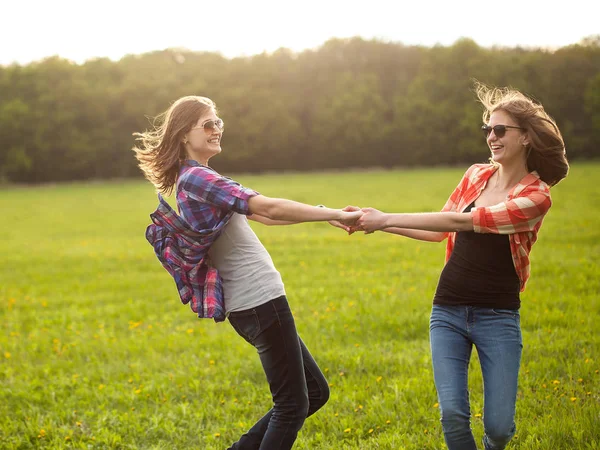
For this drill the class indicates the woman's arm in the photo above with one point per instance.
(421, 235)
(440, 221)
(280, 209)
(269, 222)
(517, 215)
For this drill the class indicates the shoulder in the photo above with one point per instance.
(532, 184)
(478, 171)
(538, 183)
(532, 193)
(196, 176)
(197, 172)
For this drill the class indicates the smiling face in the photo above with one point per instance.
(512, 147)
(203, 142)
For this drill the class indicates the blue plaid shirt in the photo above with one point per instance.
(206, 200)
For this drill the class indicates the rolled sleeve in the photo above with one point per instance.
(517, 215)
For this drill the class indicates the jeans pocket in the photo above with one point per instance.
(246, 324)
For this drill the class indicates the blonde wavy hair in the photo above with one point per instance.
(160, 150)
(546, 148)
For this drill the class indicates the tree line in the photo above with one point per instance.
(350, 103)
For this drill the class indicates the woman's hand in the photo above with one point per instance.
(350, 218)
(372, 220)
(350, 227)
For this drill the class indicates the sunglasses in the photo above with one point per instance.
(210, 125)
(499, 130)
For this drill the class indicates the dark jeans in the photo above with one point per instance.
(297, 385)
(496, 334)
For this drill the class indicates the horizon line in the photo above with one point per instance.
(586, 40)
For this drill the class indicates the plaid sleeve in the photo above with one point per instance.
(520, 214)
(207, 186)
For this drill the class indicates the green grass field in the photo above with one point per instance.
(97, 352)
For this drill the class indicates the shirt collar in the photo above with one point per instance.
(194, 163)
(531, 178)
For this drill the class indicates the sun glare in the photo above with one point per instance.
(239, 28)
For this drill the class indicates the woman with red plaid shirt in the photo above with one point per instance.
(220, 266)
(491, 220)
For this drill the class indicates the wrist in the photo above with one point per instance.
(340, 213)
(386, 221)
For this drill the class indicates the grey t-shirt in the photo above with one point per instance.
(249, 275)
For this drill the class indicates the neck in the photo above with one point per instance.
(510, 175)
(199, 159)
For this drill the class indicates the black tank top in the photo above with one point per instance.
(480, 272)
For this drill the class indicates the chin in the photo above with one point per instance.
(497, 158)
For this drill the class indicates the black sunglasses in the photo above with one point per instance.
(210, 125)
(499, 130)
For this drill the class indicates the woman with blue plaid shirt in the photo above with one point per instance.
(220, 266)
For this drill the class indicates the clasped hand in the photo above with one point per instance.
(369, 220)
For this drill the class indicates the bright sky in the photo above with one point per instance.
(79, 30)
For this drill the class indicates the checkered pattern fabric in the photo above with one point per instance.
(520, 216)
(206, 201)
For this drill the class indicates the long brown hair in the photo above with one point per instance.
(546, 148)
(161, 150)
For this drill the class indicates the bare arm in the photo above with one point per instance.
(269, 222)
(283, 210)
(421, 235)
(439, 222)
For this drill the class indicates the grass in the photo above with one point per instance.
(97, 352)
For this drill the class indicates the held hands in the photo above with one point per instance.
(368, 220)
(350, 224)
(349, 219)
(372, 220)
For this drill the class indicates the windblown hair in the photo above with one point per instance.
(160, 150)
(546, 148)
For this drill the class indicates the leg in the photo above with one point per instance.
(318, 388)
(450, 353)
(497, 337)
(271, 329)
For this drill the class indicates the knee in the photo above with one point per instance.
(454, 417)
(317, 402)
(325, 394)
(302, 408)
(293, 411)
(498, 435)
(300, 413)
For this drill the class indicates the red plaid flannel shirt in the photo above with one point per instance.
(520, 216)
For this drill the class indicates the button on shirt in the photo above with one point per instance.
(206, 201)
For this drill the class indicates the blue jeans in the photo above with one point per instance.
(297, 384)
(496, 334)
